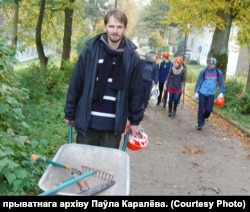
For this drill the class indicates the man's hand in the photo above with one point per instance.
(220, 95)
(67, 122)
(135, 129)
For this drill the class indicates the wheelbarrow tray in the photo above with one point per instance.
(109, 160)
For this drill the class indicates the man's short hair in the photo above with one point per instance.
(118, 14)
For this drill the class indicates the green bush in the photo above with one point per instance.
(244, 104)
(233, 91)
(29, 112)
(41, 82)
(16, 173)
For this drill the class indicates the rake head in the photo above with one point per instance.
(99, 175)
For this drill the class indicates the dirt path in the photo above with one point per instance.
(180, 160)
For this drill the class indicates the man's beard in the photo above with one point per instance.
(114, 41)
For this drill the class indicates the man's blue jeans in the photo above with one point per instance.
(206, 104)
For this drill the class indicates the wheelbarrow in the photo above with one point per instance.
(98, 166)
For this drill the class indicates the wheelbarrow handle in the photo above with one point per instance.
(67, 183)
(40, 159)
(124, 146)
(70, 133)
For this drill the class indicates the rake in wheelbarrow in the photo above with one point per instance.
(98, 180)
(78, 175)
(104, 171)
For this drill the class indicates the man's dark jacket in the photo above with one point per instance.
(129, 101)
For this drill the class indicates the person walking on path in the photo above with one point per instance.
(164, 68)
(105, 90)
(149, 75)
(205, 89)
(175, 85)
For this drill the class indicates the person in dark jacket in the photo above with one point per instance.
(164, 68)
(149, 75)
(205, 89)
(175, 85)
(105, 90)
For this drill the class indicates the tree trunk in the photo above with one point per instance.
(68, 20)
(15, 24)
(248, 81)
(219, 46)
(43, 59)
